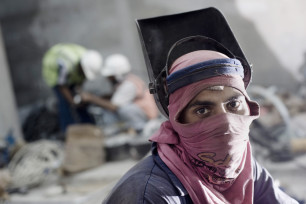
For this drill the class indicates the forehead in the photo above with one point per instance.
(217, 95)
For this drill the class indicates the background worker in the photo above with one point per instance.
(65, 68)
(130, 98)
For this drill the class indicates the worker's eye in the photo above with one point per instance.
(202, 111)
(234, 105)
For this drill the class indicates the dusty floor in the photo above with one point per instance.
(89, 187)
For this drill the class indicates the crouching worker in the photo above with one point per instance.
(202, 154)
(130, 99)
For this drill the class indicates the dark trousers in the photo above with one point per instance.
(70, 115)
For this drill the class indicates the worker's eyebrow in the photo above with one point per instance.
(200, 103)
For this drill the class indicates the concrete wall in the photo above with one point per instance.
(9, 122)
(268, 37)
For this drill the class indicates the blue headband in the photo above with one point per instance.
(203, 70)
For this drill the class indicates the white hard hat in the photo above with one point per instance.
(91, 63)
(116, 65)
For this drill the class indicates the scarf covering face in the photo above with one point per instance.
(211, 157)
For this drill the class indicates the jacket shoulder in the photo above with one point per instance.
(146, 182)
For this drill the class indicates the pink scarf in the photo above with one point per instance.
(212, 157)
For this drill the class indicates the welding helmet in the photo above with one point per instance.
(166, 38)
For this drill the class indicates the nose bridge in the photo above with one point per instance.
(220, 108)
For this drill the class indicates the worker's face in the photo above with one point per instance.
(212, 102)
(112, 79)
(80, 70)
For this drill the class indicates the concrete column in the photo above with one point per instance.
(8, 112)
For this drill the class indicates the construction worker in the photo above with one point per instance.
(202, 153)
(130, 98)
(65, 68)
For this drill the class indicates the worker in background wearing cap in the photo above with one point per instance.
(202, 154)
(130, 98)
(65, 68)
